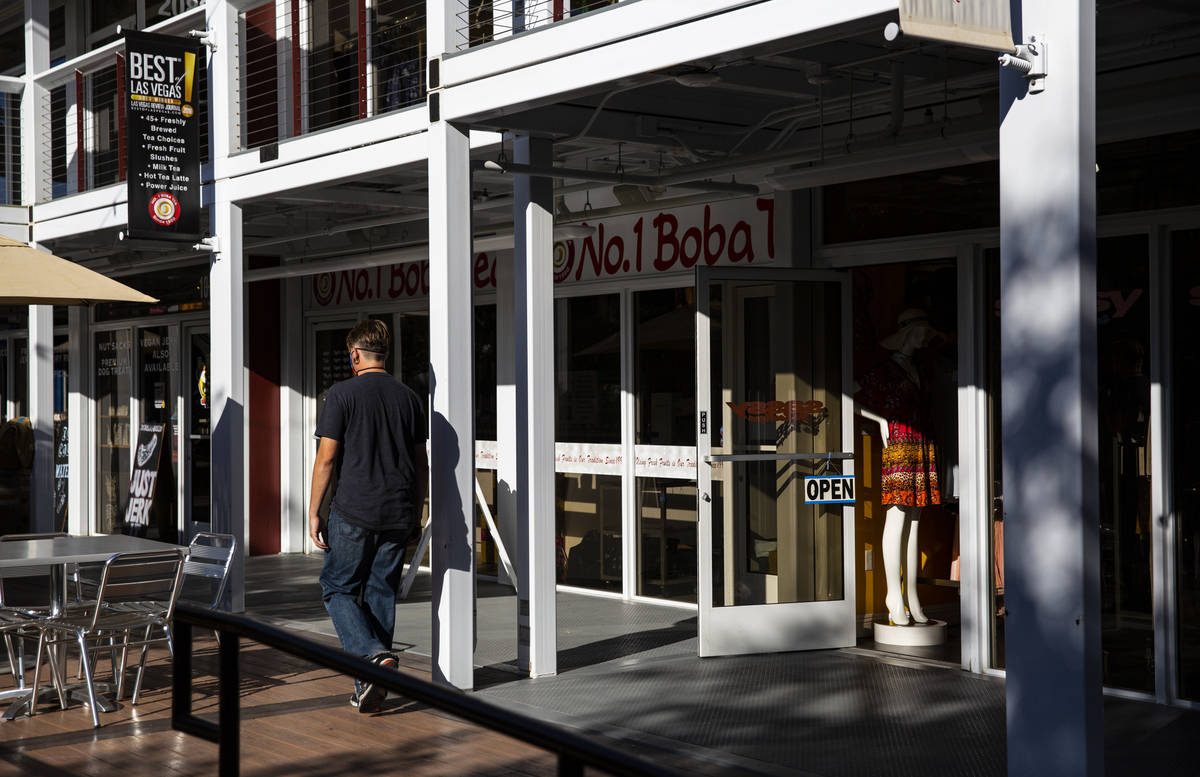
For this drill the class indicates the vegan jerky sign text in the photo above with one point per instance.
(163, 136)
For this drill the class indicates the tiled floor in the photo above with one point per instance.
(630, 672)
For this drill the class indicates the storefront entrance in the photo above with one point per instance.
(776, 572)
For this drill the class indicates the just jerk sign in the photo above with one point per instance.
(731, 233)
(163, 136)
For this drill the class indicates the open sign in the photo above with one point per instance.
(829, 489)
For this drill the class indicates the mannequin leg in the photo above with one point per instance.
(893, 530)
(912, 566)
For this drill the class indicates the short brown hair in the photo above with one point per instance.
(372, 336)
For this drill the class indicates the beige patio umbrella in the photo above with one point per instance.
(32, 277)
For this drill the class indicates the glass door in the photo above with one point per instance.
(776, 573)
(158, 403)
(328, 363)
(197, 435)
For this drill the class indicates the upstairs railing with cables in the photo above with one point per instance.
(482, 21)
(306, 67)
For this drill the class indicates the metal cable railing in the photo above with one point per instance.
(10, 149)
(575, 751)
(481, 21)
(82, 128)
(307, 67)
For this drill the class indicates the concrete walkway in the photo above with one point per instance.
(630, 672)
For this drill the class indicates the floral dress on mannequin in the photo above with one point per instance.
(909, 471)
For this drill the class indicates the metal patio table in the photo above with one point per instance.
(56, 554)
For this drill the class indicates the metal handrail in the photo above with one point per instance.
(575, 751)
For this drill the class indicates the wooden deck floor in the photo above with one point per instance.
(296, 720)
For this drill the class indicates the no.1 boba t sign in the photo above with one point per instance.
(163, 136)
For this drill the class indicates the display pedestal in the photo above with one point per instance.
(912, 635)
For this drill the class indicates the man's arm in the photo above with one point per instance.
(322, 470)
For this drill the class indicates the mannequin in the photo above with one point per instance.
(909, 477)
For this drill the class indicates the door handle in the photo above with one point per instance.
(707, 498)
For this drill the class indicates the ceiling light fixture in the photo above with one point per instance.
(698, 80)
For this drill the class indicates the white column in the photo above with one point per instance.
(228, 385)
(1049, 394)
(294, 526)
(41, 413)
(452, 444)
(506, 414)
(975, 524)
(533, 330)
(34, 146)
(226, 309)
(79, 424)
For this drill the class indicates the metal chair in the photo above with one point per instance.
(126, 577)
(208, 559)
(15, 621)
(209, 556)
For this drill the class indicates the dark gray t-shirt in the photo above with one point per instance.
(379, 424)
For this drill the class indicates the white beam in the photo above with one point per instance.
(1049, 397)
(584, 63)
(452, 384)
(41, 413)
(533, 335)
(598, 29)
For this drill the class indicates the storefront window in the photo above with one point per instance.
(667, 538)
(16, 455)
(906, 372)
(1185, 380)
(62, 351)
(589, 530)
(112, 363)
(157, 391)
(587, 369)
(995, 456)
(20, 395)
(332, 365)
(487, 560)
(1123, 383)
(3, 380)
(414, 352)
(1123, 369)
(199, 439)
(664, 366)
(485, 372)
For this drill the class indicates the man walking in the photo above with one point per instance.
(374, 427)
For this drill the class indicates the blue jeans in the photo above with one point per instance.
(362, 565)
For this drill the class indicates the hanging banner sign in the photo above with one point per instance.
(61, 474)
(145, 473)
(727, 233)
(838, 489)
(162, 136)
(983, 24)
